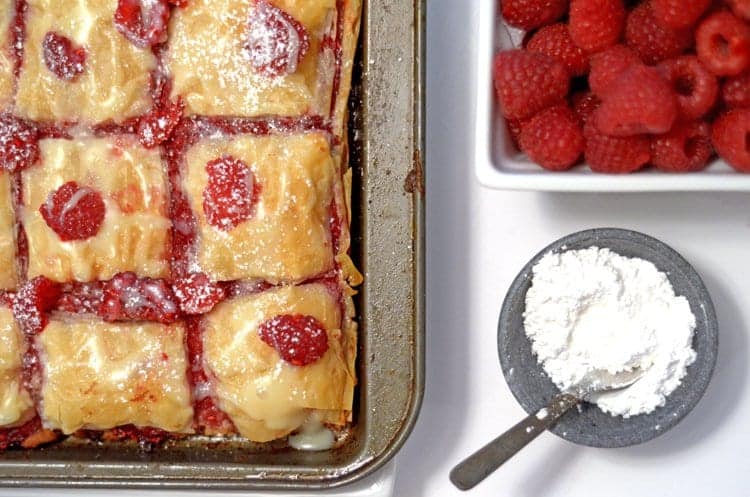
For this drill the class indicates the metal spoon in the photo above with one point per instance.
(483, 462)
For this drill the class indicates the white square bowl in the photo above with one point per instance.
(500, 165)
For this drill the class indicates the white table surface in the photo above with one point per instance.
(479, 239)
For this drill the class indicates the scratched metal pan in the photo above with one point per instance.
(388, 244)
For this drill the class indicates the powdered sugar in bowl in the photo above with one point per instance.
(662, 319)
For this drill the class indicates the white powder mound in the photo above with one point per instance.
(593, 309)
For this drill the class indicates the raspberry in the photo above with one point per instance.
(299, 340)
(179, 3)
(640, 101)
(651, 41)
(596, 24)
(197, 294)
(584, 104)
(615, 154)
(34, 299)
(695, 87)
(606, 66)
(731, 137)
(127, 297)
(157, 126)
(142, 22)
(741, 8)
(62, 58)
(19, 143)
(556, 42)
(678, 14)
(553, 138)
(685, 148)
(229, 197)
(531, 14)
(723, 44)
(527, 82)
(736, 91)
(514, 129)
(276, 42)
(74, 212)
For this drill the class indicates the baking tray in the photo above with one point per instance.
(387, 144)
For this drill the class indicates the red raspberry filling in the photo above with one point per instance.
(197, 294)
(276, 42)
(300, 340)
(74, 212)
(19, 143)
(229, 197)
(142, 22)
(127, 297)
(34, 299)
(157, 126)
(61, 57)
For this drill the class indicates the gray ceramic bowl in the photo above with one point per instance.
(589, 425)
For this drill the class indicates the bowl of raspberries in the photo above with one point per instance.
(614, 95)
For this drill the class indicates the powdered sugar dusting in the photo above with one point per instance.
(591, 310)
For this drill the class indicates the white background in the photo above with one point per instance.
(479, 239)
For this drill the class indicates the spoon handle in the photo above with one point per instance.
(483, 462)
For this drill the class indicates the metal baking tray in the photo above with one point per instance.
(387, 144)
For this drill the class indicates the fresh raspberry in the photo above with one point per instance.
(276, 42)
(197, 294)
(640, 101)
(735, 92)
(607, 65)
(556, 42)
(553, 138)
(63, 59)
(584, 104)
(299, 340)
(527, 82)
(596, 24)
(731, 137)
(19, 143)
(157, 126)
(685, 148)
(34, 299)
(695, 87)
(179, 3)
(229, 197)
(652, 41)
(741, 8)
(127, 297)
(74, 212)
(142, 22)
(531, 14)
(678, 14)
(723, 44)
(514, 129)
(615, 154)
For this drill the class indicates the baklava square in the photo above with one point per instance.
(77, 66)
(253, 57)
(99, 375)
(95, 207)
(266, 396)
(263, 206)
(8, 275)
(6, 56)
(16, 406)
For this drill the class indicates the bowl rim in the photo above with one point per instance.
(700, 379)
